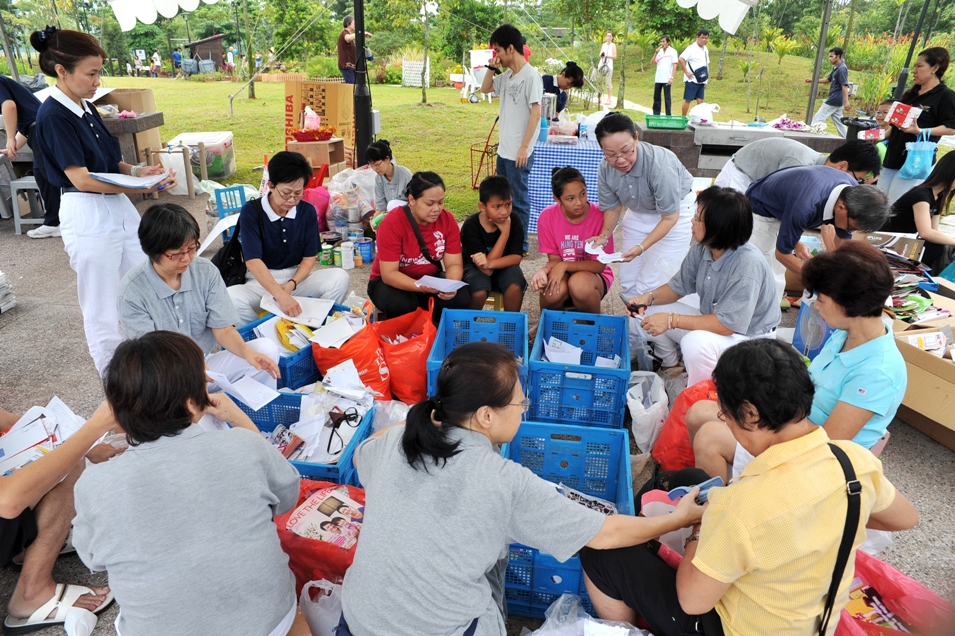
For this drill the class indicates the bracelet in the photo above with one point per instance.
(294, 284)
(640, 245)
(652, 299)
(134, 171)
(694, 536)
(669, 322)
(677, 325)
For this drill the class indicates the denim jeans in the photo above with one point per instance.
(518, 178)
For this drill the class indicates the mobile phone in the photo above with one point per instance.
(701, 498)
(631, 307)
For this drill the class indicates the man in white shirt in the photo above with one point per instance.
(666, 60)
(520, 89)
(695, 62)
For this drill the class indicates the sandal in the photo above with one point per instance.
(63, 599)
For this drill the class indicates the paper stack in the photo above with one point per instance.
(560, 352)
(39, 431)
(7, 300)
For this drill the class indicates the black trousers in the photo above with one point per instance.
(398, 302)
(656, 98)
(49, 193)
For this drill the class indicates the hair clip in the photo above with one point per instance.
(47, 32)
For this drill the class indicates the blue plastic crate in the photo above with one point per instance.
(285, 410)
(461, 326)
(296, 369)
(581, 394)
(595, 461)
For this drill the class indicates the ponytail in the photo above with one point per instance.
(427, 428)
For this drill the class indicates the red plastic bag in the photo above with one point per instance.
(411, 384)
(319, 198)
(363, 350)
(311, 559)
(921, 608)
(673, 450)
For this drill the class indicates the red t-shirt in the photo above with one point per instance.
(397, 243)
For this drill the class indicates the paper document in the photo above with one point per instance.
(253, 394)
(314, 310)
(18, 461)
(210, 422)
(560, 352)
(24, 436)
(129, 181)
(225, 224)
(343, 379)
(602, 255)
(607, 363)
(269, 331)
(334, 334)
(441, 284)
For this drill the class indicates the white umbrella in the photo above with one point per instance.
(730, 12)
(146, 11)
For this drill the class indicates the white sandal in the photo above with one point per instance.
(63, 599)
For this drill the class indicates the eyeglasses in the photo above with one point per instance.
(525, 404)
(181, 256)
(883, 113)
(289, 195)
(337, 417)
(612, 156)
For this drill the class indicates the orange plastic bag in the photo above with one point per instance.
(673, 450)
(363, 350)
(411, 384)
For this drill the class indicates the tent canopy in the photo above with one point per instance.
(730, 12)
(146, 11)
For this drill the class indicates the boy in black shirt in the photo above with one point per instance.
(492, 242)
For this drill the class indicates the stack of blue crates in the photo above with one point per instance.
(582, 394)
(595, 461)
(461, 326)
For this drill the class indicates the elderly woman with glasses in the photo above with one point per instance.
(734, 283)
(280, 242)
(650, 185)
(175, 290)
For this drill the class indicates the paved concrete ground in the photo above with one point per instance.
(43, 353)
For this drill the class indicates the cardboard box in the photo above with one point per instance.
(334, 103)
(138, 100)
(331, 152)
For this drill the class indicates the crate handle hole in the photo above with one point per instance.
(483, 339)
(573, 375)
(578, 321)
(582, 342)
(488, 319)
(564, 464)
(556, 579)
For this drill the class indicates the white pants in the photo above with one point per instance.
(765, 232)
(701, 349)
(662, 260)
(234, 367)
(893, 186)
(835, 112)
(331, 283)
(732, 177)
(100, 236)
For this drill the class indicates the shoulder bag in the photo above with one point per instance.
(854, 493)
(421, 245)
(229, 259)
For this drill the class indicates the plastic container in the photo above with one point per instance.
(367, 249)
(207, 66)
(325, 257)
(285, 410)
(461, 326)
(670, 122)
(581, 394)
(595, 461)
(544, 130)
(220, 151)
(348, 255)
(190, 67)
(337, 256)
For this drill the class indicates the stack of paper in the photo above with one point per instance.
(40, 430)
(335, 333)
(7, 300)
(250, 392)
(128, 181)
(560, 352)
(314, 310)
(441, 284)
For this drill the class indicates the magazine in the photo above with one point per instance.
(587, 501)
(328, 515)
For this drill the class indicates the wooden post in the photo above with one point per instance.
(188, 169)
(203, 168)
(150, 162)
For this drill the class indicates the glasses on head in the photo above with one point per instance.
(183, 255)
(290, 195)
(613, 156)
(336, 418)
(525, 404)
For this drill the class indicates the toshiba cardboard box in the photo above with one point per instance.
(334, 103)
(929, 403)
(138, 100)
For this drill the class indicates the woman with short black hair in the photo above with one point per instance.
(734, 283)
(182, 521)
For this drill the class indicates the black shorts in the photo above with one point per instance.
(16, 535)
(499, 280)
(603, 281)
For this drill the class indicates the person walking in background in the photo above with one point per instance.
(608, 53)
(521, 89)
(838, 99)
(177, 61)
(230, 60)
(666, 59)
(156, 65)
(695, 62)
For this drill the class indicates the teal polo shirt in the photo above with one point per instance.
(872, 377)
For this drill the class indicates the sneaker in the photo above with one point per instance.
(44, 231)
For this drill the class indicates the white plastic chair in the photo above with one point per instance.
(25, 184)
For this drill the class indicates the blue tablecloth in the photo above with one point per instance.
(585, 156)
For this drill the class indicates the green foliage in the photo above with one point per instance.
(873, 88)
(323, 66)
(385, 43)
(769, 35)
(463, 21)
(644, 44)
(149, 37)
(667, 18)
(585, 13)
(288, 17)
(783, 46)
(115, 43)
(746, 67)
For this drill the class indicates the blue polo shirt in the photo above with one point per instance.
(550, 86)
(283, 241)
(871, 376)
(68, 135)
(800, 197)
(20, 95)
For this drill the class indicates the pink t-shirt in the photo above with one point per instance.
(557, 235)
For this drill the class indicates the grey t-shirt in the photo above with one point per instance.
(739, 287)
(202, 303)
(656, 183)
(517, 94)
(386, 191)
(183, 526)
(760, 158)
(429, 537)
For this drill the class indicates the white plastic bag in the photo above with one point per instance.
(388, 413)
(675, 386)
(649, 407)
(703, 113)
(173, 161)
(312, 120)
(876, 541)
(353, 187)
(324, 613)
(565, 617)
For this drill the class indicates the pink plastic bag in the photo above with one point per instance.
(319, 198)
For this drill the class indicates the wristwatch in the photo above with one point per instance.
(695, 536)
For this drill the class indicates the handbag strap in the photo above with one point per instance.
(853, 492)
(417, 233)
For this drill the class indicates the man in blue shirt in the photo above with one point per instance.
(280, 244)
(838, 99)
(177, 61)
(791, 200)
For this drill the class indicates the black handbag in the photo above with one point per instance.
(701, 74)
(230, 261)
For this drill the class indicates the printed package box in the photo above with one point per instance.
(138, 100)
(334, 103)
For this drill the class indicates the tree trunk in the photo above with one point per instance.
(845, 40)
(622, 90)
(719, 69)
(424, 67)
(249, 57)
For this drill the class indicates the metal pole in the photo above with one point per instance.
(186, 18)
(8, 51)
(238, 40)
(904, 75)
(362, 99)
(823, 32)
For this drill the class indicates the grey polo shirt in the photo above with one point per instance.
(739, 288)
(386, 191)
(202, 303)
(656, 183)
(761, 158)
